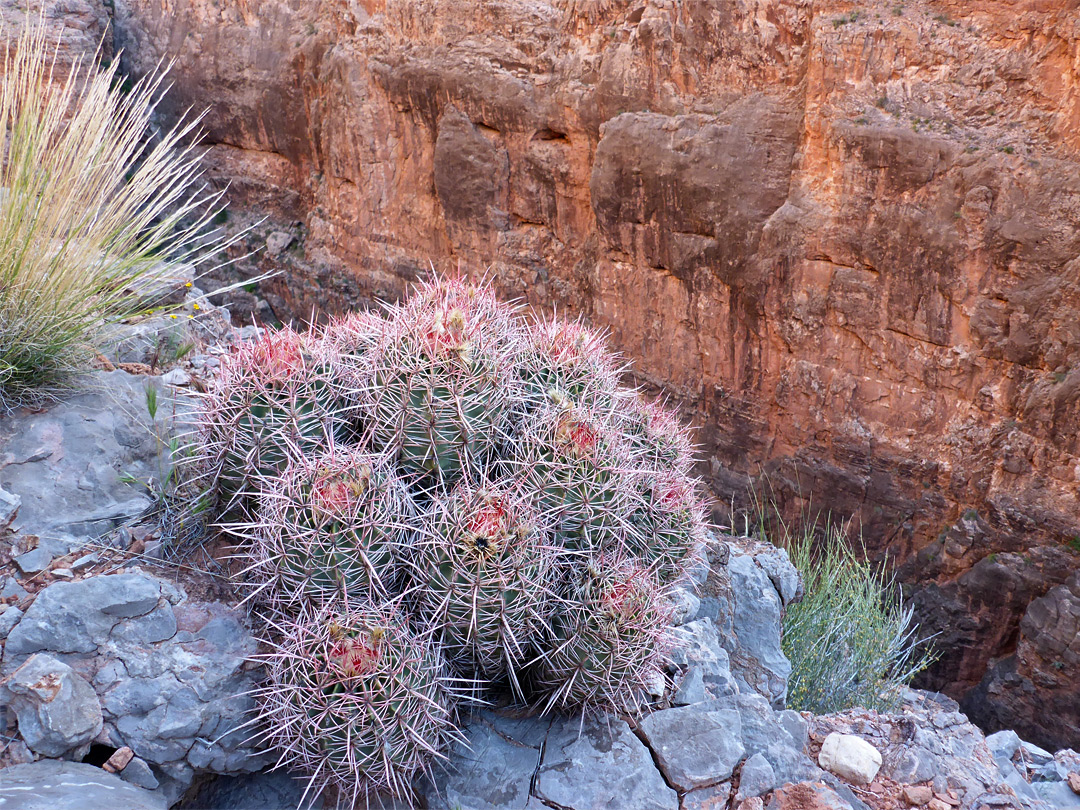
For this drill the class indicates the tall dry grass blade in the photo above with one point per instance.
(90, 211)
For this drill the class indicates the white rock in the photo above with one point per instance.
(850, 757)
(277, 242)
(176, 377)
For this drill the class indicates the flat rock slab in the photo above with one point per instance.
(68, 465)
(600, 765)
(696, 745)
(50, 784)
(494, 769)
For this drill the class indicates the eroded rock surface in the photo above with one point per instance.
(171, 673)
(845, 238)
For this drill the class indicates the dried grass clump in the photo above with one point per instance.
(91, 215)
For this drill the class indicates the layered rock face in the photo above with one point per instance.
(845, 236)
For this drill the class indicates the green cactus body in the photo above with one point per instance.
(607, 639)
(668, 525)
(485, 572)
(277, 398)
(441, 387)
(333, 525)
(358, 698)
(577, 471)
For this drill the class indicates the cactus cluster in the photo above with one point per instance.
(440, 499)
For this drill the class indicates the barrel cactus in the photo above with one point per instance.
(578, 469)
(359, 698)
(277, 398)
(607, 640)
(446, 487)
(440, 382)
(332, 524)
(485, 576)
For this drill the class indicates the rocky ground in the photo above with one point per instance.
(124, 671)
(843, 233)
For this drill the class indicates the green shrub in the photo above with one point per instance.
(88, 211)
(852, 641)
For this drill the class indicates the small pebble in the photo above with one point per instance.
(917, 795)
(119, 760)
(84, 562)
(62, 573)
(176, 377)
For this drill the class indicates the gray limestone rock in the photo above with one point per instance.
(691, 689)
(69, 464)
(9, 587)
(9, 507)
(171, 675)
(756, 778)
(50, 784)
(493, 769)
(757, 662)
(33, 561)
(57, 710)
(685, 605)
(696, 746)
(795, 725)
(9, 619)
(78, 617)
(276, 790)
(137, 772)
(599, 763)
(762, 732)
(714, 797)
(698, 644)
(1003, 744)
(1057, 795)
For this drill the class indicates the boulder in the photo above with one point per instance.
(57, 710)
(698, 745)
(598, 762)
(50, 784)
(171, 674)
(850, 757)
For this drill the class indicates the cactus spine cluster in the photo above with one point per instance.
(485, 576)
(445, 490)
(332, 525)
(607, 639)
(277, 398)
(356, 691)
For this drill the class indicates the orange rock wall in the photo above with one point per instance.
(844, 235)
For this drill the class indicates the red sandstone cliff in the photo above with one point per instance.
(845, 235)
